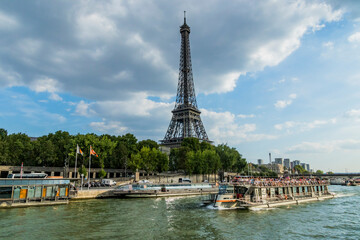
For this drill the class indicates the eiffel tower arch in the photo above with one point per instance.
(185, 121)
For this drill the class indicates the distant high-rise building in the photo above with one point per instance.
(292, 165)
(296, 162)
(278, 168)
(308, 167)
(260, 162)
(279, 161)
(287, 162)
(303, 165)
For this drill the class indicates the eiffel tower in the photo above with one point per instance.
(186, 121)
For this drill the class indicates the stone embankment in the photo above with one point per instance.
(92, 193)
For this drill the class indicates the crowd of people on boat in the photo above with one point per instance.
(286, 181)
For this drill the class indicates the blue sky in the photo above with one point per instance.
(270, 76)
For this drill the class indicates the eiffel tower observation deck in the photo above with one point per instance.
(186, 121)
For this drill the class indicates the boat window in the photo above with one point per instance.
(38, 191)
(5, 192)
(31, 192)
(222, 189)
(241, 190)
(229, 191)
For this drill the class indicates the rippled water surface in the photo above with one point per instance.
(185, 218)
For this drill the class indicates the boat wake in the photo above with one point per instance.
(340, 195)
(217, 208)
(255, 209)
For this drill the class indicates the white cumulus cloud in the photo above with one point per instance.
(284, 103)
(354, 38)
(111, 127)
(222, 127)
(303, 126)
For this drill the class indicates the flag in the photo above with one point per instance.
(78, 151)
(92, 152)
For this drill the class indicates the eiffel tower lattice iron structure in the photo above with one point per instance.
(186, 121)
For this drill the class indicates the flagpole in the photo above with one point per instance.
(21, 170)
(77, 148)
(89, 169)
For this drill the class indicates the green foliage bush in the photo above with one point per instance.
(102, 173)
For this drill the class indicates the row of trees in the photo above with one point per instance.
(54, 149)
(203, 158)
(300, 170)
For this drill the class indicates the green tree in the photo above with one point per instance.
(135, 162)
(148, 159)
(120, 156)
(64, 147)
(162, 161)
(173, 159)
(206, 146)
(319, 172)
(181, 158)
(147, 143)
(240, 163)
(82, 170)
(191, 143)
(201, 166)
(300, 169)
(104, 148)
(102, 173)
(19, 149)
(4, 152)
(228, 157)
(190, 161)
(44, 152)
(130, 142)
(212, 161)
(3, 134)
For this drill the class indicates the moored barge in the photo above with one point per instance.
(267, 193)
(33, 192)
(164, 190)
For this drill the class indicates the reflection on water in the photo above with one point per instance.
(185, 218)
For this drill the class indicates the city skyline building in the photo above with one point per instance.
(287, 163)
(279, 161)
(303, 165)
(295, 163)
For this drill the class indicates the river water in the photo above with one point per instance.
(185, 218)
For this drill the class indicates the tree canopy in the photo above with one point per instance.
(117, 152)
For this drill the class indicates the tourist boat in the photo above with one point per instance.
(267, 193)
(354, 182)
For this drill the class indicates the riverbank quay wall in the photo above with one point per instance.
(91, 193)
(174, 178)
(117, 174)
(67, 172)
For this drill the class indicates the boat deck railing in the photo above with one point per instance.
(281, 183)
(280, 198)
